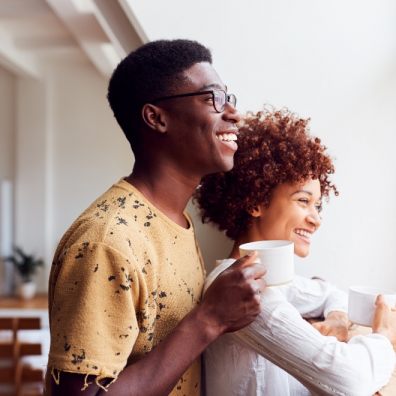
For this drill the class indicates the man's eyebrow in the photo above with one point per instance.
(213, 86)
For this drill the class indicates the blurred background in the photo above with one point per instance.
(60, 146)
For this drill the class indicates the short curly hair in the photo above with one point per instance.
(274, 148)
(153, 70)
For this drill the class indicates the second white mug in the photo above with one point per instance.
(361, 303)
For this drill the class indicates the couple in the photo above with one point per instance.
(127, 315)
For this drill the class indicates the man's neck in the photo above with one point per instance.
(166, 189)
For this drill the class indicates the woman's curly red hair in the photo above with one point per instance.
(274, 148)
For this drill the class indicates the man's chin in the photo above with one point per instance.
(228, 164)
(223, 165)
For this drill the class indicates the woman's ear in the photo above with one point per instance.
(257, 211)
(154, 117)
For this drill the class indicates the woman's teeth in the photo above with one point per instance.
(303, 233)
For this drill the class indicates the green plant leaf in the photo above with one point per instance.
(25, 264)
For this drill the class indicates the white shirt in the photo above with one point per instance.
(239, 364)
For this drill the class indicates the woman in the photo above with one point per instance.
(275, 191)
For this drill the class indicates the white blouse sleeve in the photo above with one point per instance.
(314, 297)
(323, 364)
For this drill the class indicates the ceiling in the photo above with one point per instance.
(271, 51)
(103, 31)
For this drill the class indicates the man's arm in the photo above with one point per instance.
(232, 302)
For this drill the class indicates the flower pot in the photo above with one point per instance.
(27, 290)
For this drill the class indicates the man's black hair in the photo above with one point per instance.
(153, 70)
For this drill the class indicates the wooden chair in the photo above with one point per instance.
(17, 371)
(8, 355)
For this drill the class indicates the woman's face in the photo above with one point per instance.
(293, 214)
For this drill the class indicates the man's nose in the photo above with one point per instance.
(231, 113)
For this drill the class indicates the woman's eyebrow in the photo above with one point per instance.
(302, 191)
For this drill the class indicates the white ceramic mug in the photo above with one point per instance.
(361, 303)
(276, 256)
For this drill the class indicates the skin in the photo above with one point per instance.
(384, 321)
(179, 146)
(294, 207)
(181, 134)
(297, 206)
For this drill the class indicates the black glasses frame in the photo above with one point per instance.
(229, 98)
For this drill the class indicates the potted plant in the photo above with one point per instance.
(26, 266)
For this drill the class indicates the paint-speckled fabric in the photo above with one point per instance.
(122, 277)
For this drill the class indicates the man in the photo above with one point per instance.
(126, 280)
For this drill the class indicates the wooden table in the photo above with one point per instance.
(36, 339)
(16, 307)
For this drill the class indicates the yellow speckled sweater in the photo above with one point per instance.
(123, 276)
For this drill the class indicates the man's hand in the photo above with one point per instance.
(384, 321)
(336, 324)
(233, 299)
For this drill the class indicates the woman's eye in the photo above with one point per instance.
(319, 207)
(303, 200)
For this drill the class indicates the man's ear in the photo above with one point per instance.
(154, 117)
(257, 211)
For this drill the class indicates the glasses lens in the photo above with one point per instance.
(231, 99)
(219, 98)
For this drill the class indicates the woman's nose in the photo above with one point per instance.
(314, 218)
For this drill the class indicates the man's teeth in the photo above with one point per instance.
(303, 233)
(227, 137)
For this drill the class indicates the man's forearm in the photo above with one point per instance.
(229, 304)
(158, 372)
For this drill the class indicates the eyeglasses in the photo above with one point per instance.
(219, 98)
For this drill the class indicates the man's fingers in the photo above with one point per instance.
(246, 261)
(255, 271)
(261, 284)
(251, 268)
(256, 287)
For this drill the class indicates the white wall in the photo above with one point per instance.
(31, 167)
(89, 151)
(69, 150)
(7, 158)
(7, 121)
(336, 63)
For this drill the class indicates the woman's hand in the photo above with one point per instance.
(336, 324)
(384, 321)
